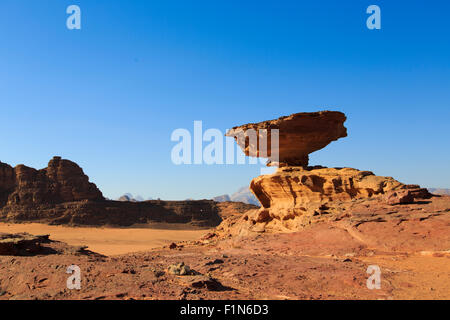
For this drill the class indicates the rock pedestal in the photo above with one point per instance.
(295, 191)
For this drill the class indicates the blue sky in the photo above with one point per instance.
(108, 96)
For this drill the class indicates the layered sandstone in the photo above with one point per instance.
(296, 193)
(297, 187)
(298, 135)
(62, 194)
(21, 244)
(62, 181)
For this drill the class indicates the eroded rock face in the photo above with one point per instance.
(7, 182)
(292, 195)
(62, 181)
(295, 194)
(20, 244)
(62, 194)
(297, 187)
(299, 135)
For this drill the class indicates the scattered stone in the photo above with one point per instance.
(173, 245)
(180, 269)
(121, 295)
(207, 236)
(129, 271)
(216, 261)
(350, 254)
(201, 282)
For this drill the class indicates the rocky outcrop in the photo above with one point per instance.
(62, 194)
(62, 181)
(230, 208)
(399, 197)
(297, 187)
(295, 193)
(292, 195)
(201, 213)
(298, 135)
(21, 244)
(25, 244)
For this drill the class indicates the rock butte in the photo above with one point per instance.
(295, 193)
(62, 181)
(299, 135)
(62, 194)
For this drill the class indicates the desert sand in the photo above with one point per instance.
(108, 241)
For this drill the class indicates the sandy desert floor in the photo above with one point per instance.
(327, 260)
(109, 241)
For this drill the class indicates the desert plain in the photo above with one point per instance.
(110, 241)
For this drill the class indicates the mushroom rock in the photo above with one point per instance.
(295, 193)
(298, 135)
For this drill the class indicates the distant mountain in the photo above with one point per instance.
(128, 197)
(440, 191)
(245, 195)
(139, 198)
(242, 195)
(223, 198)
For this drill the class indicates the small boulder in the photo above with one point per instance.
(202, 282)
(180, 269)
(173, 245)
(216, 261)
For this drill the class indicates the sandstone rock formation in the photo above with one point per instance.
(297, 187)
(296, 192)
(399, 197)
(62, 194)
(299, 135)
(21, 244)
(25, 244)
(62, 181)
